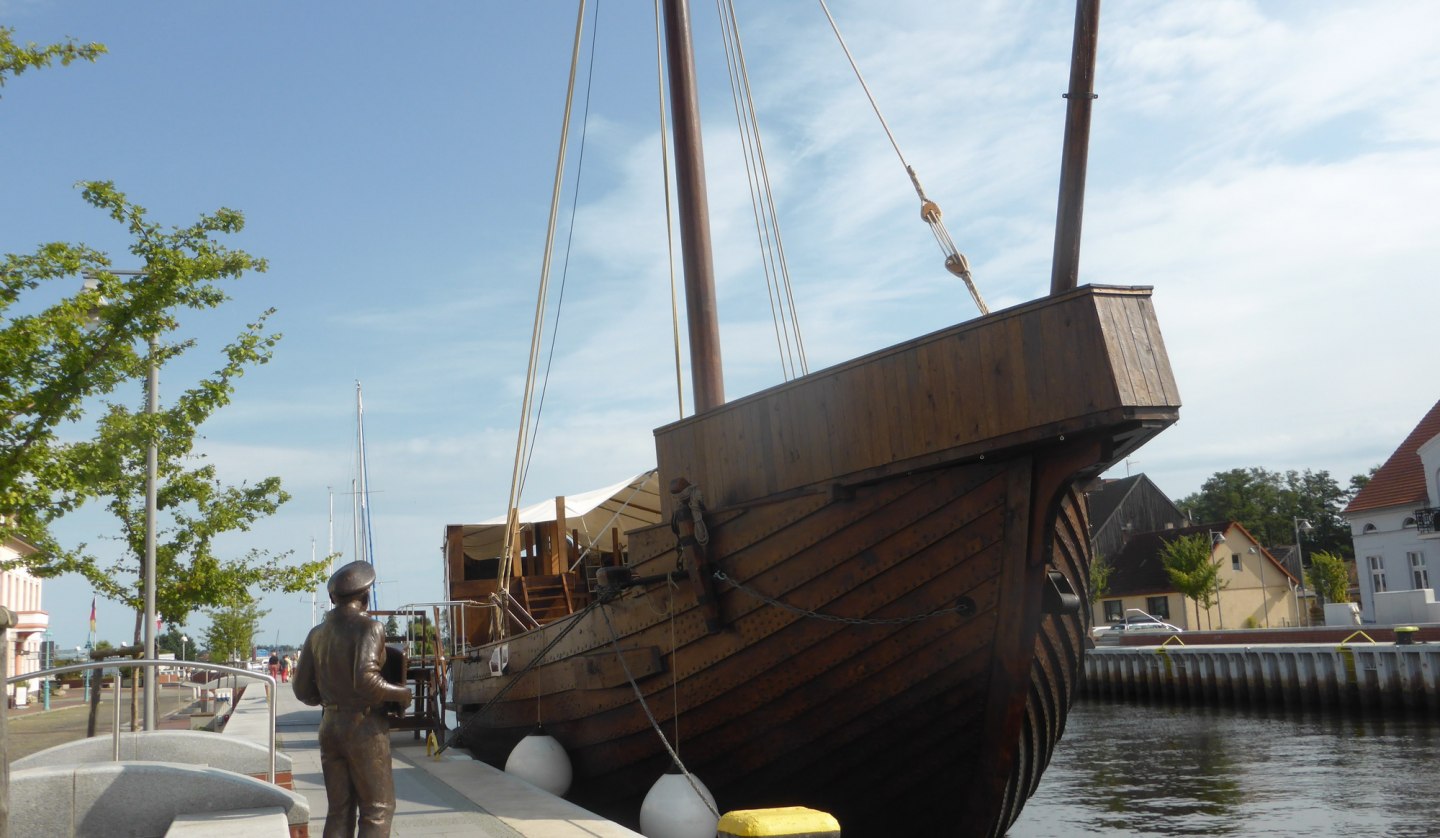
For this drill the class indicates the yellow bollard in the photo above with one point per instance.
(787, 822)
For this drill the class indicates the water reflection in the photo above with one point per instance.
(1143, 770)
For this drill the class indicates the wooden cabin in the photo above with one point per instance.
(557, 547)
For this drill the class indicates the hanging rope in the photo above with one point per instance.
(654, 725)
(669, 223)
(788, 339)
(955, 261)
(536, 661)
(537, 331)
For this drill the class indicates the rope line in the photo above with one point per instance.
(655, 725)
(569, 242)
(955, 261)
(519, 676)
(778, 285)
(538, 329)
(669, 222)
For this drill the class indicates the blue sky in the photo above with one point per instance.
(1269, 167)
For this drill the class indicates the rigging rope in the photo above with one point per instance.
(537, 330)
(654, 725)
(955, 261)
(778, 286)
(669, 224)
(519, 676)
(569, 241)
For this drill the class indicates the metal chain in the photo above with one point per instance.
(964, 608)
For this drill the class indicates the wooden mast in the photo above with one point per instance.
(705, 371)
(1065, 267)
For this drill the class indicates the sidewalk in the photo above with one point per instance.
(452, 795)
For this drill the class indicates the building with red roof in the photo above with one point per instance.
(1395, 523)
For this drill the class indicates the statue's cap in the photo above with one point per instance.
(350, 580)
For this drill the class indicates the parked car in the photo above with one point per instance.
(1135, 621)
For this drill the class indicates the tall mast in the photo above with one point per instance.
(1065, 268)
(705, 369)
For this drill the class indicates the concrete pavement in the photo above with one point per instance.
(453, 795)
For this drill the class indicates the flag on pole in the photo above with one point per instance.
(92, 615)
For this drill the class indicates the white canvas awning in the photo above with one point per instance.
(626, 505)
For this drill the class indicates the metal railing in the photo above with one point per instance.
(268, 680)
(1427, 520)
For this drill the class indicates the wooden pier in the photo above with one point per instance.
(1352, 676)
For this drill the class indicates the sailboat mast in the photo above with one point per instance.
(1065, 268)
(705, 369)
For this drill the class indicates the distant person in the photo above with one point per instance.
(285, 664)
(339, 668)
(274, 665)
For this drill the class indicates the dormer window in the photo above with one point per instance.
(1371, 527)
(1409, 522)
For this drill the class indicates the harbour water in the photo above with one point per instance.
(1132, 770)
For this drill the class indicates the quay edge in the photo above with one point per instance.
(1358, 676)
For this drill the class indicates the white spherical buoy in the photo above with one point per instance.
(541, 761)
(673, 809)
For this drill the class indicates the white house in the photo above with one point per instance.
(1395, 522)
(20, 592)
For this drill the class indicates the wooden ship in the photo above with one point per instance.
(858, 591)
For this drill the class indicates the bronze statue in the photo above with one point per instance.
(339, 667)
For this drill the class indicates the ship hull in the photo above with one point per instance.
(889, 636)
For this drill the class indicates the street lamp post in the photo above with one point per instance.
(183, 641)
(152, 406)
(45, 664)
(1307, 527)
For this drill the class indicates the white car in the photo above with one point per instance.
(1135, 621)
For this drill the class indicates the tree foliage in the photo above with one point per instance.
(15, 59)
(1193, 570)
(1268, 503)
(54, 359)
(1329, 576)
(181, 268)
(232, 631)
(1101, 569)
(170, 641)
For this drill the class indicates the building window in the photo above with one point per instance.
(1235, 561)
(1368, 528)
(1418, 575)
(1114, 611)
(1158, 606)
(1377, 573)
(1408, 522)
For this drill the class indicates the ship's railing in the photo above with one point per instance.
(455, 621)
(149, 664)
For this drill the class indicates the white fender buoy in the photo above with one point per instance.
(673, 809)
(539, 759)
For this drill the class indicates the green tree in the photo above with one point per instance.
(1268, 503)
(16, 59)
(232, 631)
(424, 634)
(57, 354)
(181, 269)
(1329, 576)
(1100, 572)
(1360, 481)
(1193, 570)
(169, 641)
